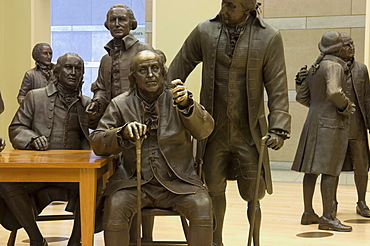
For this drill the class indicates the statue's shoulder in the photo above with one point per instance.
(360, 65)
(124, 98)
(145, 46)
(209, 23)
(38, 92)
(106, 58)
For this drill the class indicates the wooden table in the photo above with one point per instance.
(81, 166)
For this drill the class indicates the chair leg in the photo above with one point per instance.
(12, 237)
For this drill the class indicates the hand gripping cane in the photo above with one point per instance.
(138, 179)
(258, 178)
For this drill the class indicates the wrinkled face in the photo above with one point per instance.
(232, 12)
(119, 22)
(348, 49)
(149, 74)
(71, 72)
(45, 56)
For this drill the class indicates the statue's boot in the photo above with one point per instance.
(116, 238)
(257, 221)
(333, 225)
(327, 221)
(219, 208)
(362, 209)
(146, 226)
(361, 186)
(75, 239)
(44, 243)
(19, 205)
(309, 218)
(200, 233)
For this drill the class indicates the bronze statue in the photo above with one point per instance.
(242, 55)
(114, 67)
(324, 139)
(166, 119)
(40, 75)
(114, 70)
(2, 140)
(50, 118)
(357, 89)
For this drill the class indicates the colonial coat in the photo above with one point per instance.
(361, 86)
(103, 88)
(263, 54)
(35, 117)
(324, 139)
(174, 137)
(33, 79)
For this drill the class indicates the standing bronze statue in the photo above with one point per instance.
(242, 55)
(324, 140)
(113, 72)
(114, 67)
(40, 75)
(357, 89)
(166, 119)
(50, 118)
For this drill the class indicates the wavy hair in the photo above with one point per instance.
(130, 15)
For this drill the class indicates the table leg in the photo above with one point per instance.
(88, 177)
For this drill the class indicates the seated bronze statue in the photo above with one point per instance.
(52, 117)
(165, 119)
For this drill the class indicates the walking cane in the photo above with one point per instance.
(258, 178)
(138, 179)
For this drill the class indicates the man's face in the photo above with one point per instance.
(119, 23)
(348, 49)
(148, 74)
(71, 72)
(232, 12)
(45, 56)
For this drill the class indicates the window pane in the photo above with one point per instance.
(78, 26)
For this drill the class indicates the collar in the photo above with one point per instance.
(43, 67)
(337, 59)
(253, 14)
(128, 41)
(147, 100)
(51, 89)
(350, 62)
